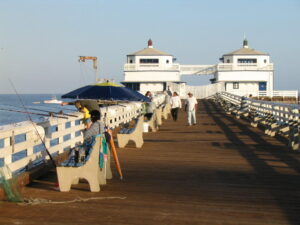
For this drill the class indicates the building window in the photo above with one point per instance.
(149, 61)
(265, 61)
(167, 61)
(130, 61)
(262, 86)
(133, 86)
(228, 60)
(247, 60)
(235, 85)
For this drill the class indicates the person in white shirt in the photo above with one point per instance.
(175, 105)
(190, 108)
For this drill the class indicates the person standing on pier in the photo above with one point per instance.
(150, 106)
(190, 108)
(175, 105)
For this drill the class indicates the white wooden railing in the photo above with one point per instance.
(281, 111)
(21, 144)
(197, 69)
(271, 94)
(244, 67)
(276, 118)
(141, 67)
(200, 69)
(205, 91)
(212, 69)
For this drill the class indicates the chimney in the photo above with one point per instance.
(150, 43)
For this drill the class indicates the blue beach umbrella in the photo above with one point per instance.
(107, 91)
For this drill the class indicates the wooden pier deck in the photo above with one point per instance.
(221, 171)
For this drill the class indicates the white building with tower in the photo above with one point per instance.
(243, 72)
(246, 71)
(150, 70)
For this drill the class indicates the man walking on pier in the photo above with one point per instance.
(190, 108)
(175, 105)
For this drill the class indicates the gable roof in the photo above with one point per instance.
(246, 51)
(149, 52)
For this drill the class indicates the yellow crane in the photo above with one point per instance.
(94, 58)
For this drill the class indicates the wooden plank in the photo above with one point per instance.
(220, 171)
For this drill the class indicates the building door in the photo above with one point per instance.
(262, 86)
(165, 86)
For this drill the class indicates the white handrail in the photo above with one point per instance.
(280, 118)
(244, 66)
(281, 111)
(275, 93)
(141, 67)
(58, 135)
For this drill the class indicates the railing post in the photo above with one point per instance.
(7, 157)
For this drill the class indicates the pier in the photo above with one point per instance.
(220, 171)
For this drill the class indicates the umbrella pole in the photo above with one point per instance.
(113, 149)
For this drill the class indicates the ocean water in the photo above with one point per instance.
(31, 102)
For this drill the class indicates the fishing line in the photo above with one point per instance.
(59, 113)
(33, 124)
(72, 110)
(33, 113)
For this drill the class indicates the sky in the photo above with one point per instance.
(40, 40)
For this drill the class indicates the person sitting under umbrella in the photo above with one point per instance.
(97, 126)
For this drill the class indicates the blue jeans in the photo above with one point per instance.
(191, 117)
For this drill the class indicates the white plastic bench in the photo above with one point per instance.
(152, 122)
(70, 173)
(159, 116)
(134, 134)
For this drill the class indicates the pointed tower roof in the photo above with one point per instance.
(149, 51)
(245, 50)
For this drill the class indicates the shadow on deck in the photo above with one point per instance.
(221, 171)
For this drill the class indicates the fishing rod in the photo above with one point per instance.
(32, 113)
(72, 110)
(33, 124)
(59, 113)
(50, 112)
